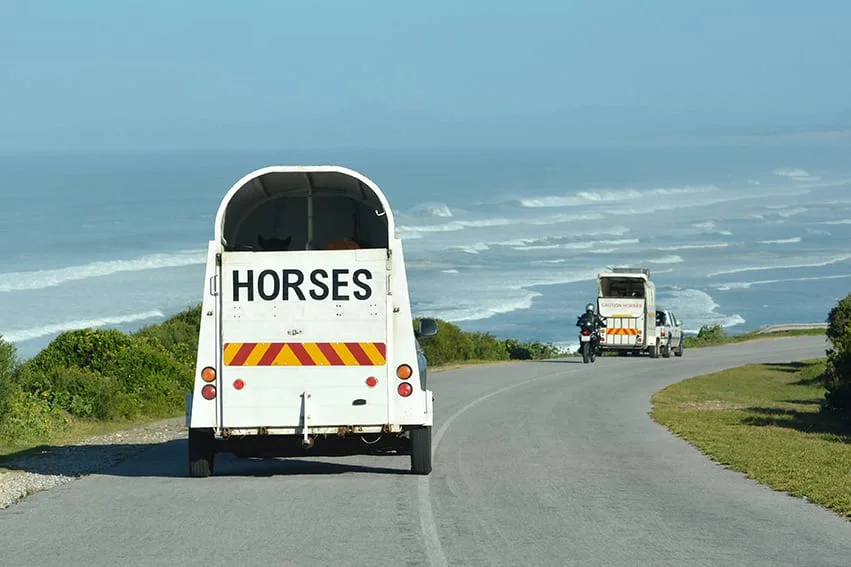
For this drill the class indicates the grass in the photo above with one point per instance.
(764, 421)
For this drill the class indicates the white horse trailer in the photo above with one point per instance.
(307, 344)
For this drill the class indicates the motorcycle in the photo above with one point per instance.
(589, 341)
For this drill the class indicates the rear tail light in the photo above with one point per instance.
(208, 374)
(405, 389)
(663, 332)
(586, 332)
(404, 371)
(209, 392)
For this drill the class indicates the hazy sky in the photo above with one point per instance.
(87, 66)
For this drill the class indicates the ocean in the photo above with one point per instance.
(507, 241)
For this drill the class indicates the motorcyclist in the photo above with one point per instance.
(591, 316)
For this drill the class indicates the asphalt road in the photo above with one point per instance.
(544, 463)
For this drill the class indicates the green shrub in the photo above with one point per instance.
(84, 348)
(151, 375)
(535, 350)
(488, 347)
(8, 377)
(30, 417)
(452, 345)
(106, 374)
(837, 375)
(707, 335)
(178, 334)
(81, 392)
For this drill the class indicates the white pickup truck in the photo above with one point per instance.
(669, 333)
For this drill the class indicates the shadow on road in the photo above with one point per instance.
(806, 422)
(169, 460)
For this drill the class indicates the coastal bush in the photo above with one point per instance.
(8, 378)
(535, 350)
(80, 392)
(178, 334)
(107, 374)
(452, 345)
(837, 375)
(707, 335)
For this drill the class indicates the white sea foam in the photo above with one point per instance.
(606, 196)
(827, 262)
(694, 246)
(20, 335)
(671, 259)
(415, 231)
(695, 309)
(40, 279)
(796, 174)
(433, 210)
(792, 240)
(747, 285)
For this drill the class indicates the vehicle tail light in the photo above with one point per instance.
(663, 332)
(404, 371)
(208, 374)
(209, 392)
(586, 332)
(405, 389)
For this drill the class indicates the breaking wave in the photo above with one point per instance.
(829, 261)
(40, 279)
(590, 197)
(16, 336)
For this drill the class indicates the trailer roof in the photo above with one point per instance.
(301, 180)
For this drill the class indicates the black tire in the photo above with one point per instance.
(666, 351)
(654, 351)
(421, 450)
(586, 353)
(679, 351)
(201, 453)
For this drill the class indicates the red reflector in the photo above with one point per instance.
(371, 381)
(405, 389)
(208, 391)
(238, 384)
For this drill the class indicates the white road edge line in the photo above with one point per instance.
(434, 550)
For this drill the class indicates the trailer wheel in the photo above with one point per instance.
(201, 452)
(421, 450)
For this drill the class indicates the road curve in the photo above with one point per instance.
(538, 463)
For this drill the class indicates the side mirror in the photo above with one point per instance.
(426, 328)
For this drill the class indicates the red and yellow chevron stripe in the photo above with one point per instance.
(621, 331)
(305, 354)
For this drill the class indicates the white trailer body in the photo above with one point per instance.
(307, 344)
(627, 298)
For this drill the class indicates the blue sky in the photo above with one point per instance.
(105, 72)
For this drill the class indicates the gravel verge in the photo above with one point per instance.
(58, 465)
